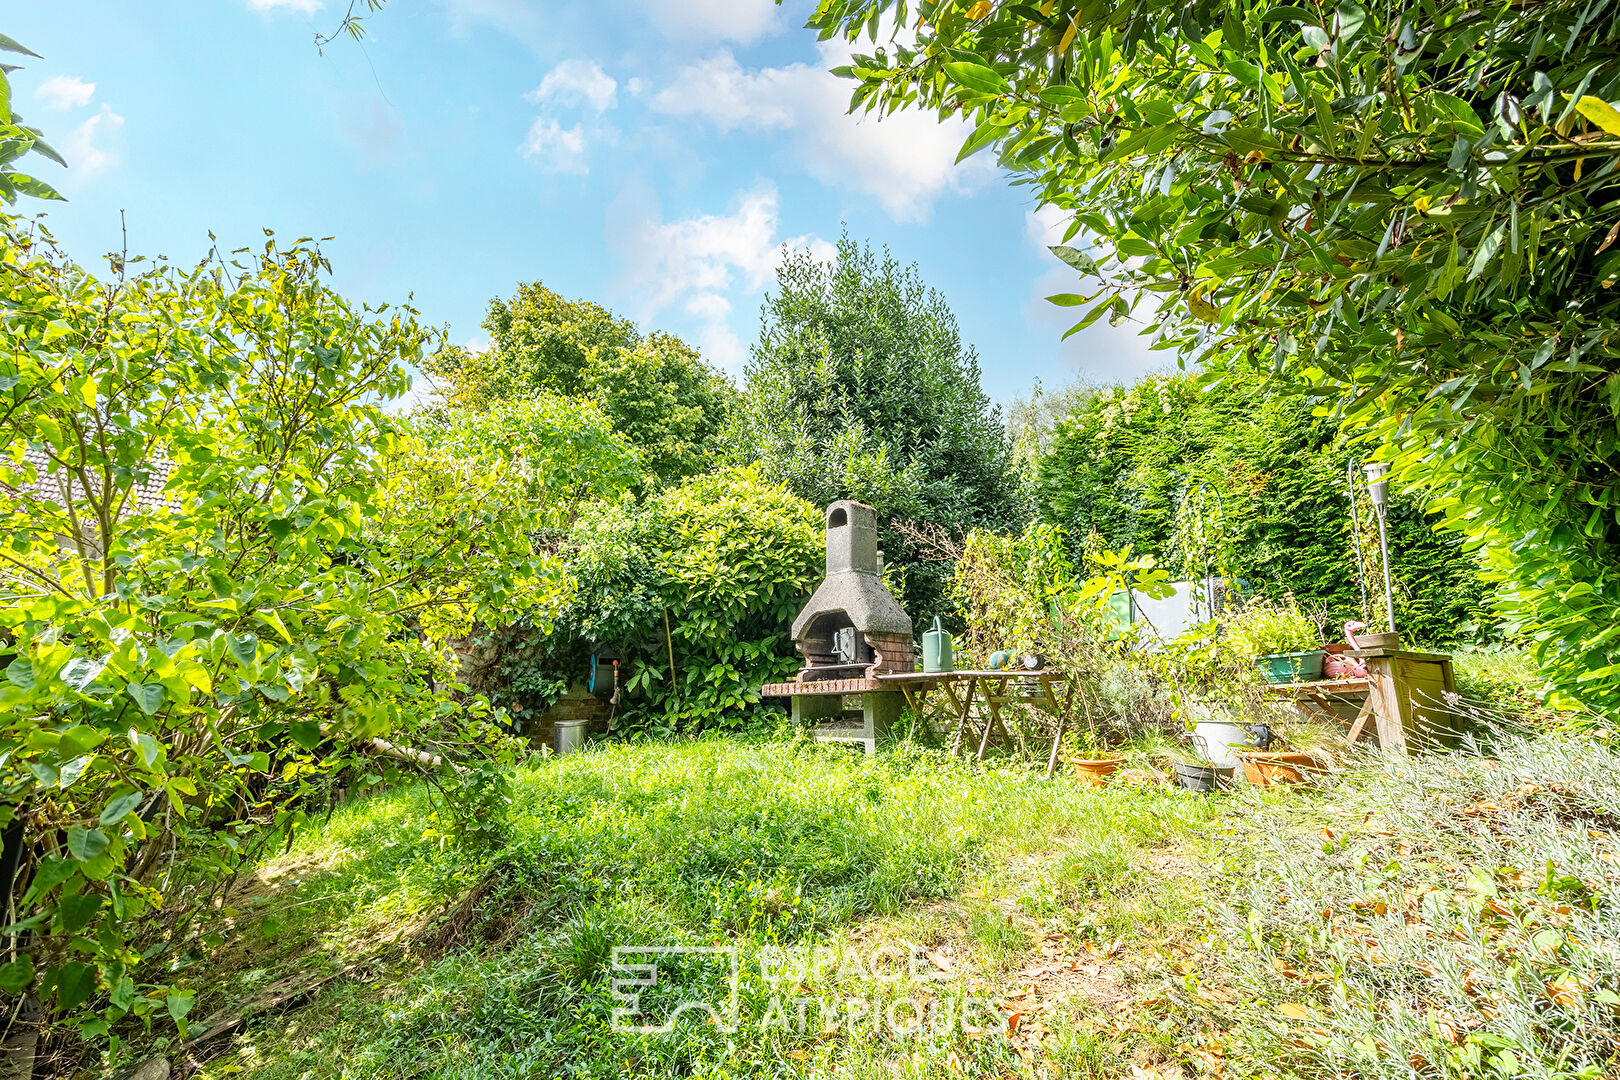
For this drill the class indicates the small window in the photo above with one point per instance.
(837, 518)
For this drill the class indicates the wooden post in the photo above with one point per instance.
(1406, 693)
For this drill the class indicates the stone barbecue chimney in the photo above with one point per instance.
(852, 626)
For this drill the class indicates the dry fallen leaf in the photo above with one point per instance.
(1565, 992)
(1294, 1011)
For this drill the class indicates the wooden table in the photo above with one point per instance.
(1403, 697)
(821, 704)
(961, 688)
(1410, 695)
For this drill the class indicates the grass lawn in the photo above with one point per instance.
(1449, 916)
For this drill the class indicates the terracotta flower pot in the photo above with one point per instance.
(1096, 770)
(1263, 767)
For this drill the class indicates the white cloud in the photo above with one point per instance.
(905, 161)
(720, 91)
(742, 21)
(575, 82)
(300, 7)
(560, 149)
(1101, 353)
(61, 92)
(697, 261)
(82, 150)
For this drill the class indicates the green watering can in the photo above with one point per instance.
(937, 649)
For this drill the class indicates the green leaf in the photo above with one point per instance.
(11, 45)
(120, 808)
(74, 984)
(39, 189)
(978, 78)
(305, 733)
(150, 748)
(85, 844)
(244, 647)
(149, 696)
(1289, 14)
(46, 149)
(983, 135)
(51, 872)
(18, 975)
(80, 739)
(80, 672)
(273, 621)
(20, 673)
(180, 1004)
(75, 912)
(1075, 258)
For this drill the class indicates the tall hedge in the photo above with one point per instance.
(1268, 481)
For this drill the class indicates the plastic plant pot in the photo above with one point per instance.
(1292, 667)
(1203, 779)
(1263, 768)
(1096, 770)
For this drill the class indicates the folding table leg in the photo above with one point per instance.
(964, 711)
(1362, 717)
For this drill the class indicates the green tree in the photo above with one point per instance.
(217, 554)
(1409, 209)
(658, 391)
(861, 387)
(17, 139)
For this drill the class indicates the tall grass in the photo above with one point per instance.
(1457, 916)
(706, 843)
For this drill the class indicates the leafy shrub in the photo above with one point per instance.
(222, 552)
(728, 559)
(1265, 628)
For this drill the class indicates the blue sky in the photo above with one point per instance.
(652, 155)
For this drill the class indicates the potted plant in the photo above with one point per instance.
(1195, 773)
(1095, 764)
(1268, 762)
(1208, 684)
(1285, 642)
(1215, 730)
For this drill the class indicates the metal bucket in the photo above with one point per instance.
(569, 735)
